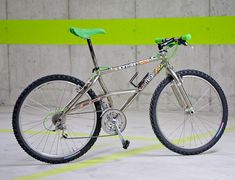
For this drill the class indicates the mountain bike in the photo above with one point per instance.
(58, 118)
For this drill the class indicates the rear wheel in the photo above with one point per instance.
(36, 125)
(184, 131)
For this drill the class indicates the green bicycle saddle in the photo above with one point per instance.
(86, 33)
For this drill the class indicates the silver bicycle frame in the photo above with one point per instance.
(97, 75)
(99, 71)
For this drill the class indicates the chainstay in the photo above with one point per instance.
(86, 137)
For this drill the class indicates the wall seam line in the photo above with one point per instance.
(210, 44)
(8, 61)
(69, 46)
(135, 51)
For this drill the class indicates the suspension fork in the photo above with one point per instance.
(179, 91)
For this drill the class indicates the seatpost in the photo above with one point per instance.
(100, 78)
(92, 52)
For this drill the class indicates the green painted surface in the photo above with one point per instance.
(204, 30)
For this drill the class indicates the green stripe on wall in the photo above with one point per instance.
(204, 30)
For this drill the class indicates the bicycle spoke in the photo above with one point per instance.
(68, 146)
(205, 126)
(205, 105)
(35, 121)
(43, 96)
(36, 102)
(203, 134)
(38, 132)
(53, 143)
(33, 127)
(62, 149)
(35, 108)
(198, 100)
(200, 132)
(62, 95)
(68, 131)
(54, 96)
(171, 133)
(58, 139)
(38, 124)
(48, 133)
(183, 130)
(42, 138)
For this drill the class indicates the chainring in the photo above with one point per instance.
(108, 121)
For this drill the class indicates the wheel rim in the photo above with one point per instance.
(185, 130)
(36, 124)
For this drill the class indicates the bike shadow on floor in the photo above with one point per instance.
(172, 154)
(99, 153)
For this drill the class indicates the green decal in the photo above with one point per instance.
(103, 68)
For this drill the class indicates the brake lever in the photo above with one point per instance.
(187, 44)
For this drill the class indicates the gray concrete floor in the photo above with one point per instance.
(144, 159)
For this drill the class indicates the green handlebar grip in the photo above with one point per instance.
(186, 37)
(159, 40)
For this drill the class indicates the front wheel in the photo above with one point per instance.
(182, 131)
(38, 128)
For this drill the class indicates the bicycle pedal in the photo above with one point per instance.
(125, 144)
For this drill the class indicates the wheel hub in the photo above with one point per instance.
(190, 111)
(58, 120)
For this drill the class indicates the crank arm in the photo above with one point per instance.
(125, 143)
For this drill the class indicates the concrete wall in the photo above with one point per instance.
(21, 64)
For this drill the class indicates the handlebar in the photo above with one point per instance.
(170, 42)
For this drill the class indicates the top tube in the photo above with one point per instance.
(104, 70)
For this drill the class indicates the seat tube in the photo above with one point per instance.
(104, 88)
(101, 82)
(92, 53)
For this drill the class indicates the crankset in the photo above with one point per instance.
(113, 123)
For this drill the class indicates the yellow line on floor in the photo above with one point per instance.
(91, 162)
(6, 131)
(100, 160)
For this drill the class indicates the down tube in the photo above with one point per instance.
(146, 81)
